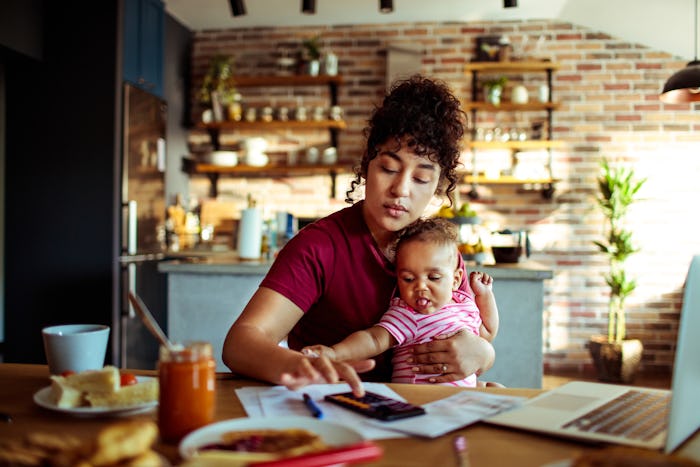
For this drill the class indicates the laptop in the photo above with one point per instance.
(609, 413)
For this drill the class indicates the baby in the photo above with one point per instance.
(430, 304)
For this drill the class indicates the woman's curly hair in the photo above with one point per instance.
(424, 114)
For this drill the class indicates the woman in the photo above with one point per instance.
(336, 276)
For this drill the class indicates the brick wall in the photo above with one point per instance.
(609, 90)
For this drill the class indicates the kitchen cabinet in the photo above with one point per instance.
(478, 143)
(144, 26)
(214, 129)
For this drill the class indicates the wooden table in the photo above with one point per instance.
(488, 445)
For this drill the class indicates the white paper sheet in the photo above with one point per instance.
(443, 416)
(453, 412)
(279, 401)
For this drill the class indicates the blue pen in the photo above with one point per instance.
(311, 405)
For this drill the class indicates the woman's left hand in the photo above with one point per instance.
(452, 357)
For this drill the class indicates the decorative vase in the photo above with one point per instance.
(616, 362)
(330, 64)
(313, 67)
(519, 95)
(493, 95)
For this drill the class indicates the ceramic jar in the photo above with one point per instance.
(519, 94)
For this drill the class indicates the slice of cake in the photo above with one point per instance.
(139, 393)
(103, 380)
(65, 396)
(100, 388)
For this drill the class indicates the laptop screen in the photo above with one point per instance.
(684, 418)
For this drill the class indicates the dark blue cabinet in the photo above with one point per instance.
(143, 44)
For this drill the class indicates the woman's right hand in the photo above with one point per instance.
(323, 370)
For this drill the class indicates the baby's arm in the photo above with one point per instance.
(482, 286)
(357, 346)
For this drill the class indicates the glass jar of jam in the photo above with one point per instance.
(187, 379)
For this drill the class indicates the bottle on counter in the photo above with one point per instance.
(249, 244)
(187, 380)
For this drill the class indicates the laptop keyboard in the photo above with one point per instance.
(635, 414)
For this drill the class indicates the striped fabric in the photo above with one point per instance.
(410, 327)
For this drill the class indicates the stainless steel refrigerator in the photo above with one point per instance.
(142, 227)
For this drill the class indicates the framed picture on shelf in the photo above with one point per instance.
(488, 48)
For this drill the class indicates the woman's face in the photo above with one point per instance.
(399, 186)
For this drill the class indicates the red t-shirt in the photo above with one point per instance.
(334, 271)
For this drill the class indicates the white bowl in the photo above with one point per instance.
(256, 159)
(228, 158)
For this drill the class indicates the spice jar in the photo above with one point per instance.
(187, 379)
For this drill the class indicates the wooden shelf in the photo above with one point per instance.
(274, 125)
(517, 145)
(510, 106)
(507, 180)
(476, 105)
(515, 66)
(544, 185)
(213, 172)
(194, 167)
(291, 80)
(333, 126)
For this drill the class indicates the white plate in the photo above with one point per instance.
(331, 433)
(42, 398)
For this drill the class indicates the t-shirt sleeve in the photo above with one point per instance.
(300, 269)
(464, 285)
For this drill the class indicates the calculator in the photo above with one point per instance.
(376, 406)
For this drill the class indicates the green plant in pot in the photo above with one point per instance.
(493, 89)
(311, 54)
(218, 89)
(617, 358)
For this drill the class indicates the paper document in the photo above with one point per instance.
(443, 416)
(279, 401)
(453, 412)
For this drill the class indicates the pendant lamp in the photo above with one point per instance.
(308, 7)
(684, 85)
(237, 7)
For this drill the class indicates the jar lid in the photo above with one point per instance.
(187, 352)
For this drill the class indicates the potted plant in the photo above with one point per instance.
(616, 358)
(218, 90)
(311, 54)
(493, 89)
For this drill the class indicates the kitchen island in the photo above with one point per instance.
(206, 294)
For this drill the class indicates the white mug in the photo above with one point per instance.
(75, 347)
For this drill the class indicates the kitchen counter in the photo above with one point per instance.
(207, 292)
(227, 262)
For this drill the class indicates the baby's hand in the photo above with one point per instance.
(480, 282)
(319, 351)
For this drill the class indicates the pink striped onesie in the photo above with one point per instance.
(409, 327)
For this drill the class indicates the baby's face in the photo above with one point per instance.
(427, 275)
